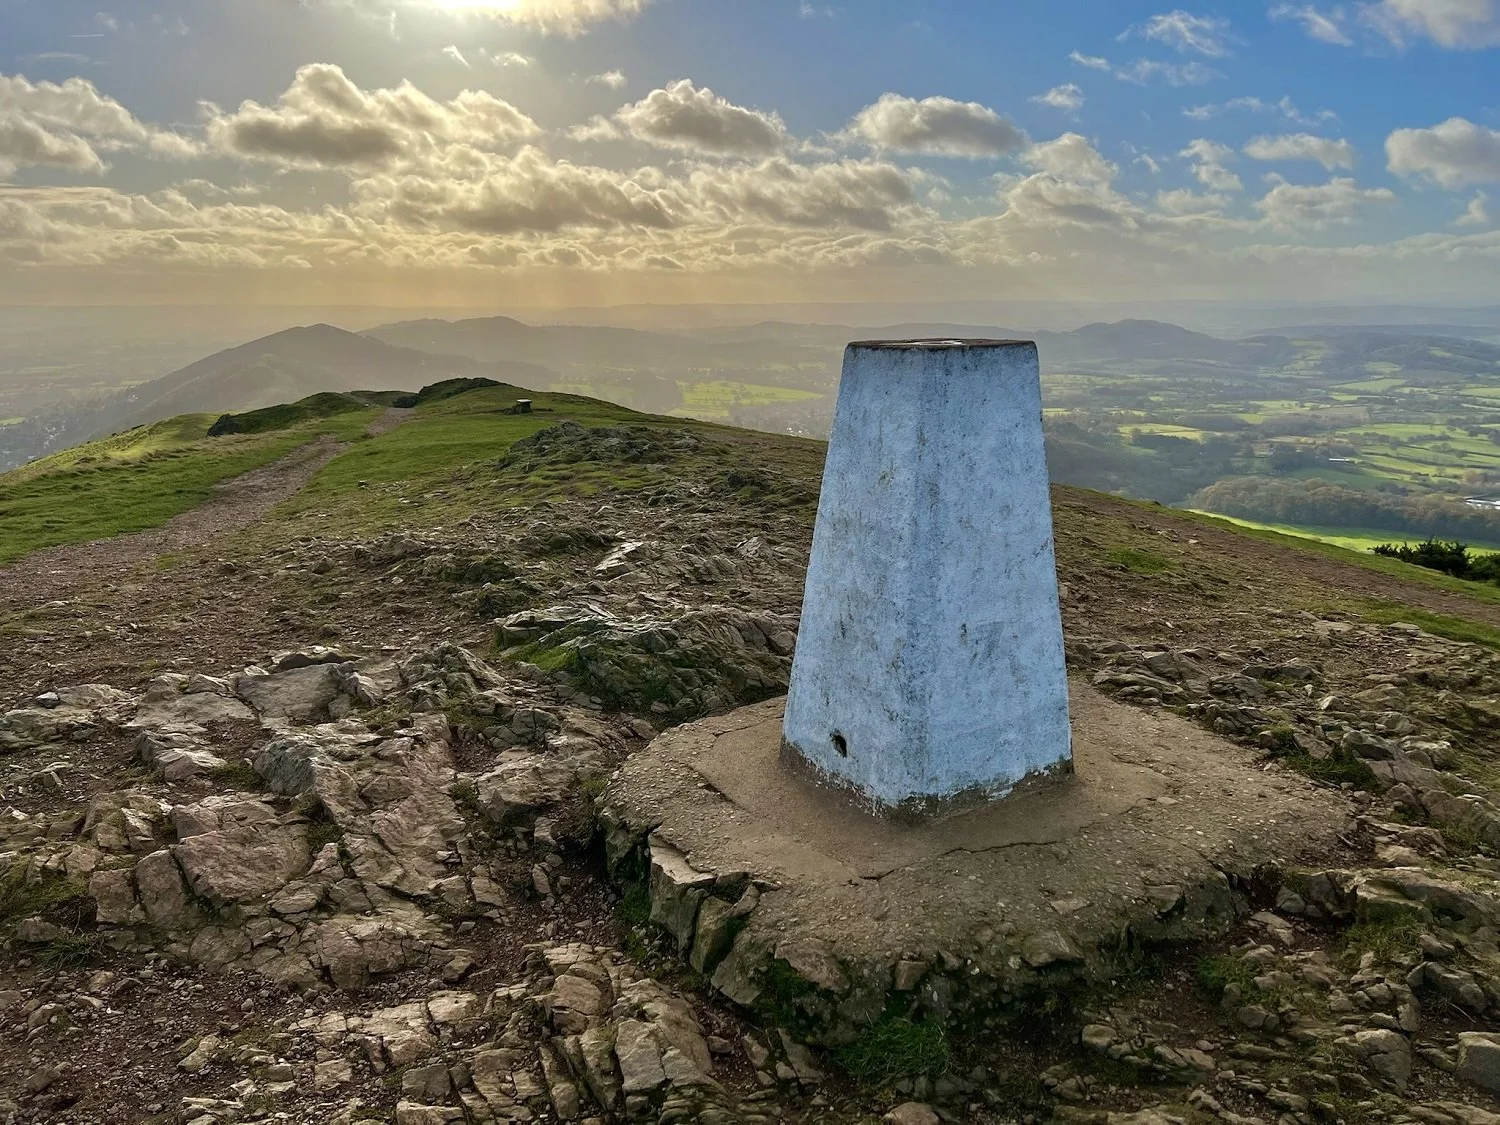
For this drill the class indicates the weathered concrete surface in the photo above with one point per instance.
(929, 666)
(1151, 836)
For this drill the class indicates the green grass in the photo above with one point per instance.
(1438, 624)
(1339, 768)
(143, 477)
(1350, 538)
(238, 774)
(1164, 428)
(1387, 938)
(71, 951)
(1214, 975)
(136, 481)
(447, 463)
(453, 434)
(21, 897)
(131, 445)
(894, 1048)
(288, 415)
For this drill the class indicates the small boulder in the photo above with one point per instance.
(912, 1113)
(1479, 1059)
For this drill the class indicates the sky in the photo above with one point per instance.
(547, 153)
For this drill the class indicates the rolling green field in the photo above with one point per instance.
(1353, 539)
(1402, 428)
(714, 399)
(708, 399)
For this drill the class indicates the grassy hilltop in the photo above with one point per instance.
(445, 463)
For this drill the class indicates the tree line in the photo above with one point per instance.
(1318, 503)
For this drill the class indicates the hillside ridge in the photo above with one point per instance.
(341, 774)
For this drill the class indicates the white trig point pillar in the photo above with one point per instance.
(929, 671)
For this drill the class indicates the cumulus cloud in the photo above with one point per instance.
(614, 79)
(1302, 146)
(1187, 33)
(1045, 202)
(865, 194)
(935, 127)
(1326, 27)
(1071, 157)
(1340, 200)
(24, 141)
(529, 193)
(1456, 24)
(687, 117)
(324, 120)
(466, 185)
(1208, 159)
(1068, 98)
(1093, 62)
(68, 125)
(1455, 154)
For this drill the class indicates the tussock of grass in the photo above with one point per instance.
(1214, 975)
(72, 951)
(1339, 768)
(21, 897)
(1138, 561)
(894, 1048)
(634, 908)
(238, 774)
(1386, 938)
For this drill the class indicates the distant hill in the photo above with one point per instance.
(299, 362)
(285, 367)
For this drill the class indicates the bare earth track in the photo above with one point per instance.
(57, 572)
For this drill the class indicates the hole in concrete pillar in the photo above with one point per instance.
(841, 744)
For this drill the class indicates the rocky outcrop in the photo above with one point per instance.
(683, 667)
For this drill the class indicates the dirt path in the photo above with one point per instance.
(393, 417)
(57, 572)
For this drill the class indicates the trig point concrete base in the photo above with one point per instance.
(929, 672)
(779, 895)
